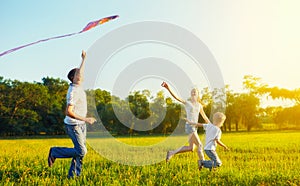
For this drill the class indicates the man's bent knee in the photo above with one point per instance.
(82, 152)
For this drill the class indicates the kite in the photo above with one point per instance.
(89, 26)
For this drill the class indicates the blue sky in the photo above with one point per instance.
(260, 38)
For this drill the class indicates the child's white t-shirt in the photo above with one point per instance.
(212, 133)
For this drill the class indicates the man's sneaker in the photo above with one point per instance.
(168, 157)
(200, 164)
(51, 159)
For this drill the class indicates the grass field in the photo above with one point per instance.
(258, 158)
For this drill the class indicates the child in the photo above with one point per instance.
(75, 123)
(212, 138)
(193, 107)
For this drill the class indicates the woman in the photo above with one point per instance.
(193, 107)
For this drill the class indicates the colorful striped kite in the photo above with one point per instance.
(89, 26)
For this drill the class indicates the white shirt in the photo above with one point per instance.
(212, 133)
(77, 98)
(192, 111)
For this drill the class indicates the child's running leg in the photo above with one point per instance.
(214, 160)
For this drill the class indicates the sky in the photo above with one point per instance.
(246, 37)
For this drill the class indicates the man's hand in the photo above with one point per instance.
(83, 54)
(90, 120)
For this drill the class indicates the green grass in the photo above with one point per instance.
(260, 158)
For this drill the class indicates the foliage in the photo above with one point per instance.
(38, 108)
(31, 108)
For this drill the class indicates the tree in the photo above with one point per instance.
(139, 106)
(31, 108)
(24, 100)
(158, 111)
(232, 110)
(281, 93)
(172, 118)
(285, 116)
(250, 101)
(52, 112)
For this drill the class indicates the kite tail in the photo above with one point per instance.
(86, 28)
(39, 41)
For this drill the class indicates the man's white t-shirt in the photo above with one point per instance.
(212, 133)
(76, 97)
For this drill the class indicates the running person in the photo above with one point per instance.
(193, 107)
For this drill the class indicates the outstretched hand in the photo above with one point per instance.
(186, 120)
(189, 122)
(83, 54)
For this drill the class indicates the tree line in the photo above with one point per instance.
(38, 108)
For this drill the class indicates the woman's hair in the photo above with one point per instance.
(72, 73)
(198, 98)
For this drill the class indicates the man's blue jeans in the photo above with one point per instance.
(214, 159)
(78, 135)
